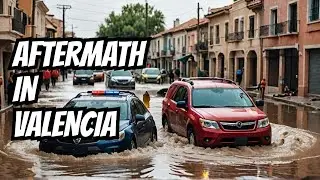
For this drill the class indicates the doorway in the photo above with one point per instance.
(291, 69)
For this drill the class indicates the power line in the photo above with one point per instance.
(87, 20)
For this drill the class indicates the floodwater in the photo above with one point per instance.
(294, 153)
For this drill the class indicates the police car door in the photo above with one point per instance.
(142, 131)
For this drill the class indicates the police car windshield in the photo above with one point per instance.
(98, 104)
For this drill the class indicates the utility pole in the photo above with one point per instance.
(147, 33)
(198, 39)
(64, 8)
(33, 18)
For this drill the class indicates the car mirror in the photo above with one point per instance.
(182, 104)
(140, 118)
(259, 103)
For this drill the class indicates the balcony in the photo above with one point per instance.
(172, 52)
(163, 53)
(203, 46)
(10, 28)
(283, 28)
(254, 4)
(236, 36)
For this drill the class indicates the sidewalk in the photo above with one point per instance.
(299, 101)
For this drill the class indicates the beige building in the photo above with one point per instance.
(12, 26)
(234, 43)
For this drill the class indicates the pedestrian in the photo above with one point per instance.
(239, 75)
(146, 99)
(171, 76)
(54, 77)
(177, 74)
(46, 79)
(10, 88)
(262, 88)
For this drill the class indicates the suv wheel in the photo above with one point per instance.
(192, 137)
(166, 125)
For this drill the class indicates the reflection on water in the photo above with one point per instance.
(296, 117)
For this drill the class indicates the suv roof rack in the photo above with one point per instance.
(208, 79)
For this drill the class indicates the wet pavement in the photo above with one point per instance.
(294, 153)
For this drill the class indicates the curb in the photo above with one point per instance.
(286, 101)
(6, 108)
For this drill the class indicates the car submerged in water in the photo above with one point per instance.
(137, 126)
(83, 77)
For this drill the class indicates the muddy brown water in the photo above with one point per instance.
(294, 153)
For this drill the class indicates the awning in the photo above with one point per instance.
(186, 58)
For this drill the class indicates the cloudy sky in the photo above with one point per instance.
(86, 15)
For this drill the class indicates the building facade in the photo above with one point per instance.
(291, 45)
(234, 43)
(39, 27)
(12, 26)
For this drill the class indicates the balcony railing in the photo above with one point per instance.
(254, 4)
(251, 33)
(157, 54)
(163, 52)
(171, 52)
(237, 36)
(18, 26)
(202, 46)
(287, 27)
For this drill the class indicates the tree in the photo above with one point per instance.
(132, 22)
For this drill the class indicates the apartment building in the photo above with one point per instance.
(234, 43)
(12, 26)
(51, 28)
(193, 46)
(291, 45)
(39, 28)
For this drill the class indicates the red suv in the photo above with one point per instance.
(213, 112)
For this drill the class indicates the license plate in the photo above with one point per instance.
(241, 141)
(83, 79)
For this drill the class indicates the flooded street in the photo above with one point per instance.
(294, 153)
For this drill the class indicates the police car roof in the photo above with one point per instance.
(118, 96)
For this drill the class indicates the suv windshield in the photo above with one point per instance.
(121, 73)
(220, 97)
(97, 104)
(82, 72)
(152, 71)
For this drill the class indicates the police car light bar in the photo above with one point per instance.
(103, 92)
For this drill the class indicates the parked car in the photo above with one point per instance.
(151, 75)
(83, 77)
(213, 112)
(137, 126)
(121, 79)
(98, 75)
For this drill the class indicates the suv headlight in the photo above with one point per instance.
(209, 124)
(132, 80)
(122, 135)
(263, 123)
(91, 77)
(113, 79)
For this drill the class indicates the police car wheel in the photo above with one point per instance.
(133, 145)
(154, 136)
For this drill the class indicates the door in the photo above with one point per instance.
(147, 125)
(182, 114)
(314, 74)
(171, 107)
(179, 96)
(291, 69)
(140, 127)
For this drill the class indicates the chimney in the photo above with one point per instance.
(176, 22)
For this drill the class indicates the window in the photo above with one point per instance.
(1, 6)
(314, 10)
(174, 43)
(10, 11)
(242, 25)
(220, 97)
(226, 31)
(293, 23)
(236, 25)
(274, 21)
(170, 91)
(180, 95)
(211, 35)
(217, 34)
(140, 108)
(251, 27)
(178, 48)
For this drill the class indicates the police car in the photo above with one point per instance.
(137, 126)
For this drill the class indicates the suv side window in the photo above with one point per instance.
(170, 91)
(181, 94)
(140, 107)
(133, 110)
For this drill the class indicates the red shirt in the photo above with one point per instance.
(46, 74)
